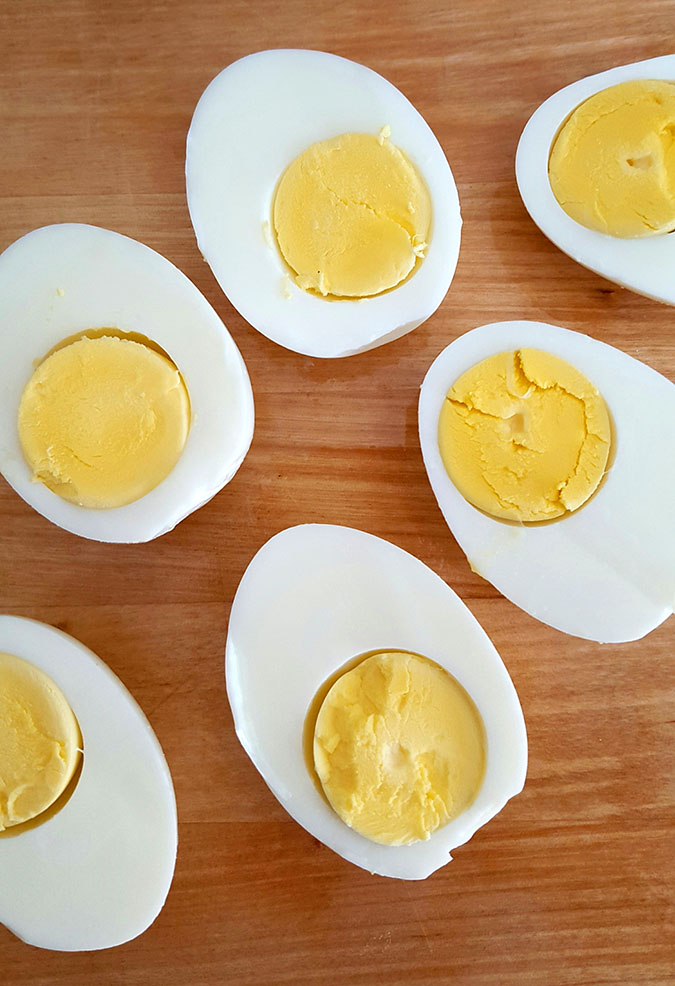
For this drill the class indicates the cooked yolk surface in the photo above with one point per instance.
(612, 167)
(39, 741)
(103, 421)
(399, 748)
(524, 436)
(352, 216)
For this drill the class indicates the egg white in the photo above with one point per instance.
(65, 279)
(97, 873)
(643, 265)
(605, 572)
(252, 120)
(329, 594)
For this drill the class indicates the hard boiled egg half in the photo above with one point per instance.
(645, 264)
(605, 571)
(253, 120)
(97, 872)
(329, 595)
(62, 282)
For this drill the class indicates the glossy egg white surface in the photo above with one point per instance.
(313, 598)
(61, 280)
(97, 873)
(644, 265)
(253, 119)
(605, 572)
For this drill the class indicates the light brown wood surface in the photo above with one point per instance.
(573, 882)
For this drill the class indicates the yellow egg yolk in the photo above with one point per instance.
(612, 166)
(352, 216)
(40, 741)
(524, 436)
(103, 421)
(399, 748)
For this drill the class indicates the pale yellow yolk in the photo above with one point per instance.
(352, 216)
(612, 167)
(399, 748)
(103, 421)
(39, 741)
(524, 436)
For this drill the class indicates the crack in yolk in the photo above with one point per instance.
(352, 216)
(524, 436)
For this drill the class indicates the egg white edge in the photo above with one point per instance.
(89, 264)
(304, 558)
(642, 589)
(246, 262)
(139, 851)
(643, 265)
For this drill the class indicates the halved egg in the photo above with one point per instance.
(61, 283)
(330, 595)
(95, 873)
(250, 128)
(605, 571)
(644, 265)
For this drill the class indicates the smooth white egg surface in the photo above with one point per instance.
(313, 598)
(62, 280)
(644, 265)
(96, 873)
(253, 119)
(605, 572)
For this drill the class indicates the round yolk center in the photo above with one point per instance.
(39, 741)
(524, 436)
(399, 748)
(612, 166)
(352, 216)
(103, 421)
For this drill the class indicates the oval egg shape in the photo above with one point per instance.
(330, 594)
(62, 281)
(253, 119)
(643, 265)
(606, 571)
(96, 873)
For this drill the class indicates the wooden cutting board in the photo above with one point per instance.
(572, 882)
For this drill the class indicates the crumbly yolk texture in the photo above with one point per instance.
(352, 216)
(524, 436)
(612, 167)
(39, 741)
(399, 748)
(103, 421)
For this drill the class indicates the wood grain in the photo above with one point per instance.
(573, 882)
